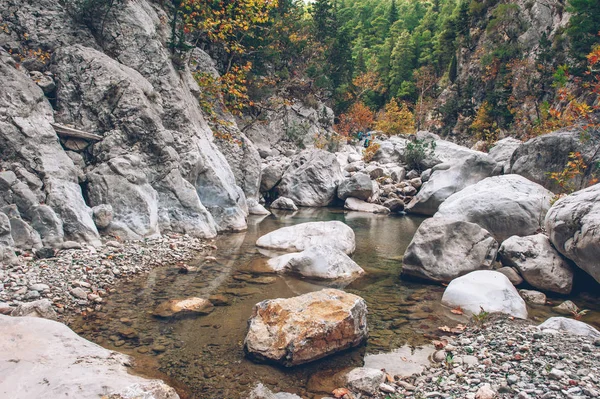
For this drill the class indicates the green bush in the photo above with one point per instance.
(417, 151)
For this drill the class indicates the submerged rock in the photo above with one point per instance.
(538, 262)
(308, 327)
(487, 290)
(183, 307)
(443, 249)
(320, 262)
(305, 235)
(573, 223)
(66, 365)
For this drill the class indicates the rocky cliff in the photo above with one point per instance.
(155, 166)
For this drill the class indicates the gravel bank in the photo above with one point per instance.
(77, 279)
(509, 359)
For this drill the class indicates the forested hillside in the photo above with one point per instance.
(477, 69)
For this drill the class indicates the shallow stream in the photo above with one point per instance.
(203, 357)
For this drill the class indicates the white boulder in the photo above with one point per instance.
(305, 235)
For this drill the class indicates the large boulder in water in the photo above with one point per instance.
(358, 186)
(308, 327)
(487, 290)
(319, 262)
(447, 179)
(573, 224)
(312, 178)
(355, 204)
(305, 235)
(542, 155)
(66, 365)
(505, 206)
(443, 249)
(538, 262)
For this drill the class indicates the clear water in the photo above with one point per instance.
(203, 357)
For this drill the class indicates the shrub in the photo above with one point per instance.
(396, 119)
(369, 152)
(417, 151)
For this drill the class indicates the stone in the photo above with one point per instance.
(572, 224)
(365, 380)
(487, 290)
(24, 236)
(319, 262)
(5, 230)
(45, 252)
(254, 208)
(538, 263)
(262, 392)
(355, 204)
(272, 173)
(311, 179)
(79, 293)
(183, 307)
(504, 205)
(512, 274)
(284, 203)
(103, 215)
(305, 328)
(443, 249)
(305, 235)
(395, 205)
(358, 186)
(573, 327)
(485, 392)
(66, 365)
(446, 180)
(566, 308)
(502, 152)
(534, 297)
(537, 158)
(40, 308)
(71, 245)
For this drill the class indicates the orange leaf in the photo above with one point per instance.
(457, 310)
(340, 392)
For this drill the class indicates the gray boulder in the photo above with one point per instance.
(40, 308)
(358, 186)
(272, 172)
(5, 230)
(538, 262)
(24, 236)
(503, 205)
(573, 223)
(394, 205)
(533, 297)
(447, 179)
(354, 204)
(487, 290)
(318, 262)
(502, 152)
(570, 326)
(444, 249)
(542, 155)
(66, 365)
(47, 223)
(284, 203)
(311, 179)
(103, 215)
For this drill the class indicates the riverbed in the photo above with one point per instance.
(203, 356)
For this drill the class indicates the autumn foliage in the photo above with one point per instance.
(396, 119)
(359, 118)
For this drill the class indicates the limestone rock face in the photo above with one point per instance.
(485, 289)
(443, 249)
(307, 327)
(573, 223)
(355, 204)
(538, 262)
(358, 186)
(183, 307)
(447, 179)
(548, 153)
(504, 205)
(66, 365)
(312, 178)
(305, 235)
(319, 262)
(571, 326)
